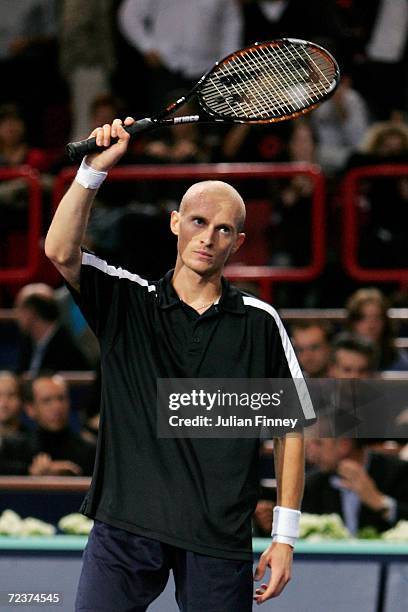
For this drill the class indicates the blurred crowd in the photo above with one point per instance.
(71, 66)
(49, 420)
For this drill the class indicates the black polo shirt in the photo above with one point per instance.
(197, 494)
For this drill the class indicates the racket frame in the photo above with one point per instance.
(163, 118)
(214, 116)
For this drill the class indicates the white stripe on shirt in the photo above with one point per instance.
(296, 372)
(91, 260)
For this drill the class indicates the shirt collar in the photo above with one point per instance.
(230, 301)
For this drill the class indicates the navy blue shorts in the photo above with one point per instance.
(124, 572)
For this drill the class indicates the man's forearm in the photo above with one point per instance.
(289, 457)
(289, 464)
(67, 230)
(68, 227)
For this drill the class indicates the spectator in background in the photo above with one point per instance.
(46, 344)
(28, 66)
(367, 316)
(340, 124)
(312, 344)
(380, 58)
(181, 145)
(366, 489)
(383, 142)
(103, 109)
(316, 20)
(180, 40)
(14, 149)
(350, 358)
(14, 152)
(251, 143)
(55, 448)
(384, 199)
(11, 405)
(353, 357)
(70, 317)
(87, 56)
(290, 237)
(90, 424)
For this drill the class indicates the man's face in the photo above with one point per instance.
(207, 232)
(371, 323)
(349, 364)
(10, 402)
(313, 350)
(50, 407)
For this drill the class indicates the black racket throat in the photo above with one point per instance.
(76, 150)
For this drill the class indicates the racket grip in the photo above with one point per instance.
(77, 150)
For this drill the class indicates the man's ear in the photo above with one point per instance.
(239, 242)
(175, 222)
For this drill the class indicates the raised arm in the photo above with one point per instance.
(68, 227)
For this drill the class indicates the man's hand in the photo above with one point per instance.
(354, 477)
(43, 465)
(279, 558)
(105, 160)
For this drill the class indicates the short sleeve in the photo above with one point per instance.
(103, 294)
(96, 296)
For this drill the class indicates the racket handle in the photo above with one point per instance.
(77, 150)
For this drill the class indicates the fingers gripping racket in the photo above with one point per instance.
(264, 83)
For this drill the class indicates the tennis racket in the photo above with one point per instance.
(264, 83)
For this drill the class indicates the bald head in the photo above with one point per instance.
(205, 189)
(37, 289)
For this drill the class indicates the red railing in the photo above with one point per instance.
(23, 274)
(350, 233)
(265, 276)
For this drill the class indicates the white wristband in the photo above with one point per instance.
(88, 177)
(285, 528)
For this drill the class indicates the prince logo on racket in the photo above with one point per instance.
(183, 505)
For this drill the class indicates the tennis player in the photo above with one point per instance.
(179, 504)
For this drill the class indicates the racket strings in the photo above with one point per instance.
(269, 81)
(290, 79)
(297, 68)
(312, 58)
(263, 101)
(294, 72)
(222, 99)
(230, 73)
(219, 94)
(297, 77)
(280, 93)
(242, 93)
(262, 92)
